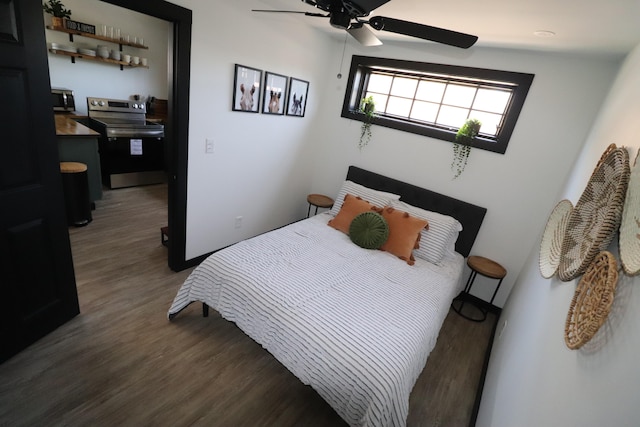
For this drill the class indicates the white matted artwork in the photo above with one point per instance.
(246, 89)
(297, 100)
(275, 91)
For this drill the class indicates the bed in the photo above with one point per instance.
(355, 324)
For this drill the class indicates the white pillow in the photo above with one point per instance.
(439, 238)
(375, 197)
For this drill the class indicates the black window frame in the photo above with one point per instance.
(361, 66)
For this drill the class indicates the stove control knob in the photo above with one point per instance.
(101, 103)
(135, 106)
(94, 102)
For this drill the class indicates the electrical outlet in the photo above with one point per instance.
(238, 222)
(209, 146)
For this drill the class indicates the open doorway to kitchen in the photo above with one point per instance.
(177, 127)
(166, 31)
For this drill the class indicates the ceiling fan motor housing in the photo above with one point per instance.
(340, 19)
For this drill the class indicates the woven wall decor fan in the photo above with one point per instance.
(596, 217)
(592, 301)
(629, 239)
(551, 244)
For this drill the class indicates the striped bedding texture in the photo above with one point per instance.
(357, 325)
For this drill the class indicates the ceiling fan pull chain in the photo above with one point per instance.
(344, 47)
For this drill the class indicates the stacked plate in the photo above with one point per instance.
(103, 51)
(62, 47)
(88, 52)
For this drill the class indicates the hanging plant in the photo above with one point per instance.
(368, 108)
(462, 145)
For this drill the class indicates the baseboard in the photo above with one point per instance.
(485, 366)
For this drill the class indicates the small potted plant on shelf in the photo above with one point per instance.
(368, 108)
(462, 145)
(57, 11)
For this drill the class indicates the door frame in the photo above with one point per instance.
(177, 128)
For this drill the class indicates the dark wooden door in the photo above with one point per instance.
(37, 284)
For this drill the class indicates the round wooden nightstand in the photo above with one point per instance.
(319, 201)
(487, 268)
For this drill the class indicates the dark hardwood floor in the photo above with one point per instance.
(121, 362)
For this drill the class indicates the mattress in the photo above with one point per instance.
(355, 324)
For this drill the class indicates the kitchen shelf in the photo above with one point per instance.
(73, 57)
(97, 37)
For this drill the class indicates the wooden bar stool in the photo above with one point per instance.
(487, 268)
(75, 185)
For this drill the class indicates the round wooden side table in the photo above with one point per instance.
(487, 268)
(319, 201)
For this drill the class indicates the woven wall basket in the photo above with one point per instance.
(592, 301)
(596, 217)
(630, 226)
(551, 244)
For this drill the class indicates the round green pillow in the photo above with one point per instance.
(369, 230)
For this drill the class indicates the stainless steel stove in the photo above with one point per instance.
(131, 147)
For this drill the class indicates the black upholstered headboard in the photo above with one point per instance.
(469, 215)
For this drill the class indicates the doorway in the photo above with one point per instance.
(177, 127)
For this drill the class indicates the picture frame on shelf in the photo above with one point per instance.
(246, 89)
(275, 92)
(297, 98)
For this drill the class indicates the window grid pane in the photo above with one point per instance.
(441, 101)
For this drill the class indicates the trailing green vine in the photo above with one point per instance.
(462, 145)
(368, 108)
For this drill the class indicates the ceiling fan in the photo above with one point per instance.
(347, 15)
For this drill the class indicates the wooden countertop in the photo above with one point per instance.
(66, 126)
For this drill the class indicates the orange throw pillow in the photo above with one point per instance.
(404, 233)
(351, 207)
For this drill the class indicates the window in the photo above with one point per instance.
(435, 100)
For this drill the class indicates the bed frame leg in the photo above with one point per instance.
(205, 310)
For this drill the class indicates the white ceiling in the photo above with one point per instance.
(609, 27)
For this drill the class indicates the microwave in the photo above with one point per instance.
(63, 99)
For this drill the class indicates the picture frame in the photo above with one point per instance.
(246, 89)
(297, 98)
(274, 94)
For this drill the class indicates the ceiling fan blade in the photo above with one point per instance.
(321, 15)
(426, 32)
(364, 36)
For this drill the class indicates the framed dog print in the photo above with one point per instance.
(297, 99)
(246, 89)
(275, 91)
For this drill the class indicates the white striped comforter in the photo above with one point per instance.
(355, 324)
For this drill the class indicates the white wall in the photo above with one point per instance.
(518, 188)
(533, 378)
(95, 79)
(261, 168)
(264, 166)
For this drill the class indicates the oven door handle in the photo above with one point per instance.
(125, 133)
